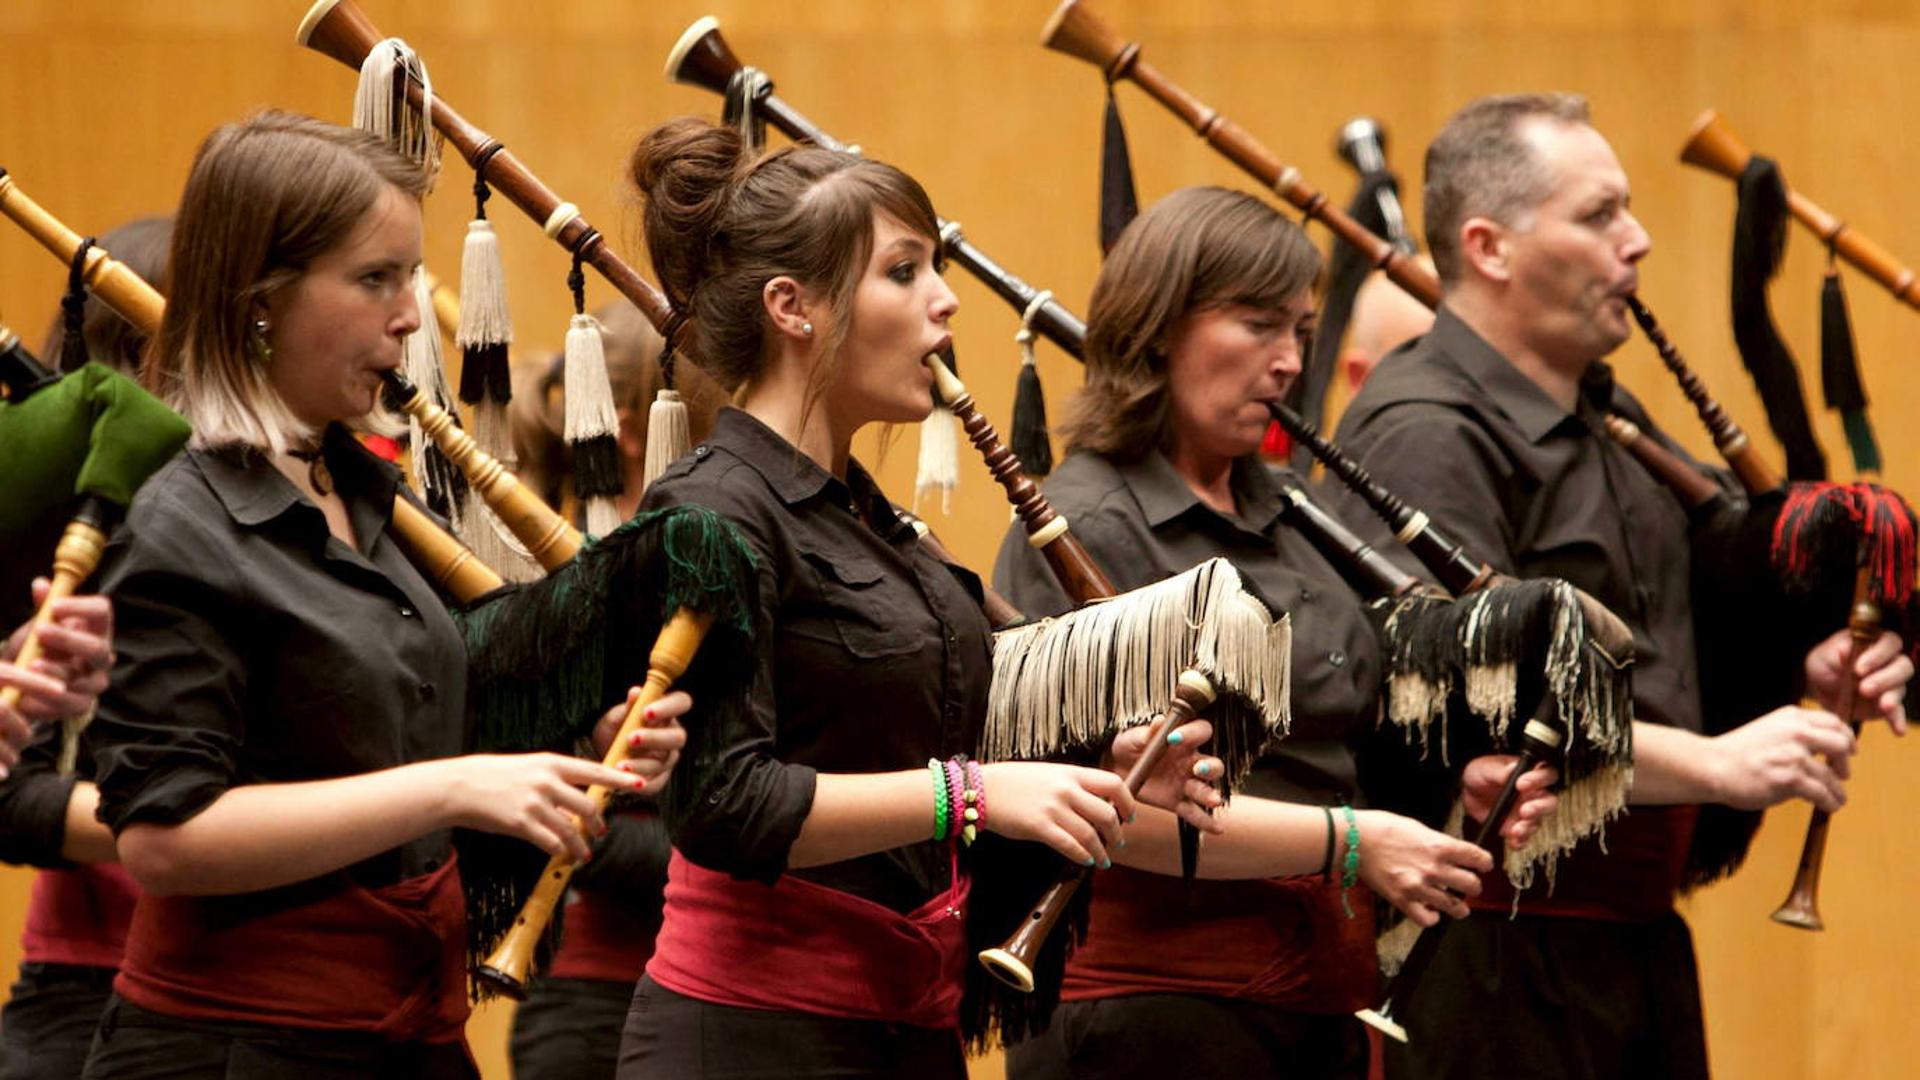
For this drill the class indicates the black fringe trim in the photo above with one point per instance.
(1008, 877)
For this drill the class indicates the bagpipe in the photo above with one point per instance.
(547, 650)
(1213, 640)
(1824, 537)
(1852, 512)
(1076, 29)
(339, 29)
(563, 637)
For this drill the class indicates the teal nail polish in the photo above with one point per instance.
(1106, 864)
(1205, 768)
(1133, 817)
(1174, 738)
(1089, 861)
(1122, 843)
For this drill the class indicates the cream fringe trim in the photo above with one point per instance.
(1073, 681)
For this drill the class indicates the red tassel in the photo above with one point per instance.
(1822, 520)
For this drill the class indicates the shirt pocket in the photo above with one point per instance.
(858, 607)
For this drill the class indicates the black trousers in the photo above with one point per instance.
(1567, 999)
(1190, 1035)
(136, 1044)
(569, 1028)
(47, 1025)
(673, 1037)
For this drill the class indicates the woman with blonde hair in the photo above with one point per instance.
(281, 750)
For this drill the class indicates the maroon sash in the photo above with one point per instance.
(602, 940)
(389, 961)
(1633, 880)
(803, 947)
(79, 916)
(1282, 942)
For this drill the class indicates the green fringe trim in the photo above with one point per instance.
(539, 655)
(547, 658)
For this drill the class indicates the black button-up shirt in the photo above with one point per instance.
(1142, 523)
(256, 647)
(876, 658)
(1450, 425)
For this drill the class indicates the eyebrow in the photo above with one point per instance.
(913, 244)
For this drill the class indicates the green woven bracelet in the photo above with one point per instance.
(1350, 872)
(942, 813)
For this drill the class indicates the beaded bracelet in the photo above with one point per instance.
(973, 797)
(942, 809)
(1350, 873)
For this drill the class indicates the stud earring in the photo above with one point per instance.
(257, 342)
(806, 328)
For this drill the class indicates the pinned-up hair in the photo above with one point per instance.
(720, 224)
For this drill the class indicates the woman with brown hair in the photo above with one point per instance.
(816, 899)
(1200, 316)
(279, 750)
(82, 899)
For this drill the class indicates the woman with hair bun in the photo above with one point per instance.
(815, 914)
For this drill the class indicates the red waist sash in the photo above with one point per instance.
(1282, 942)
(79, 916)
(390, 961)
(603, 940)
(800, 946)
(1633, 880)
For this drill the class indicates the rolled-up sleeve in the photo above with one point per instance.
(33, 804)
(747, 806)
(170, 726)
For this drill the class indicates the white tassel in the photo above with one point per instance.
(383, 78)
(939, 468)
(484, 319)
(592, 425)
(669, 434)
(1074, 680)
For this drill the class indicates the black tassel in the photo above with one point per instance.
(1028, 438)
(73, 312)
(596, 467)
(1840, 375)
(1759, 241)
(484, 375)
(1118, 204)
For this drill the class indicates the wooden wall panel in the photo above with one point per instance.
(106, 101)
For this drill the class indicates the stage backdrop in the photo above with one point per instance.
(107, 100)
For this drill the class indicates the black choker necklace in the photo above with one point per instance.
(317, 473)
